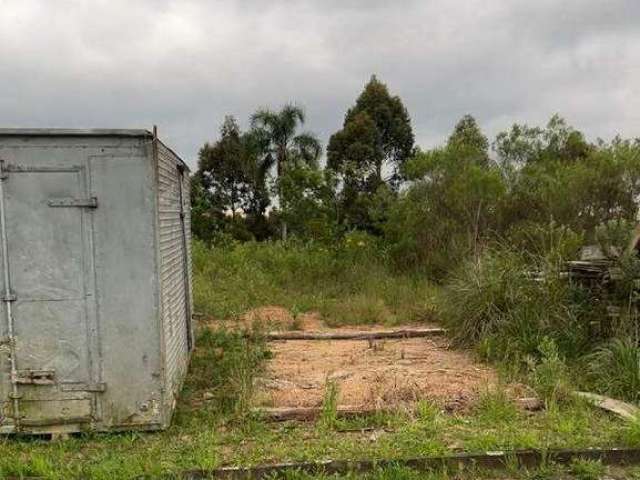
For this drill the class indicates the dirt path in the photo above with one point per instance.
(368, 374)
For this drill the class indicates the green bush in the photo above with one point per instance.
(479, 294)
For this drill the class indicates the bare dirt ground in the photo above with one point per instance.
(368, 374)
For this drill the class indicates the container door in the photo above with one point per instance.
(50, 263)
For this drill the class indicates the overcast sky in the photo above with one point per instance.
(184, 65)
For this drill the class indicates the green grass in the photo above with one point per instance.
(219, 431)
(537, 326)
(547, 472)
(587, 469)
(347, 285)
(213, 426)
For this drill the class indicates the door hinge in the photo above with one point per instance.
(84, 387)
(91, 202)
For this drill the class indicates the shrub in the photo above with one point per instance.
(584, 469)
(551, 240)
(478, 294)
(613, 236)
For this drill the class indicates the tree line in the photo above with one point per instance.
(425, 208)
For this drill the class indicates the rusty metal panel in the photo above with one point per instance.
(98, 282)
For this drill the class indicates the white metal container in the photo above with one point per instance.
(95, 283)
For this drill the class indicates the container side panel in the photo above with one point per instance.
(127, 293)
(174, 265)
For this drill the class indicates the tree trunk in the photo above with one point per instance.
(280, 171)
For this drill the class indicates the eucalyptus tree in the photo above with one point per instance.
(223, 167)
(369, 151)
(384, 127)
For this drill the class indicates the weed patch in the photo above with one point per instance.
(348, 286)
(223, 368)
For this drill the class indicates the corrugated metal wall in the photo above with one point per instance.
(175, 301)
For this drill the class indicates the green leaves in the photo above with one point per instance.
(280, 141)
(369, 151)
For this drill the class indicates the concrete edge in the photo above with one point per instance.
(455, 462)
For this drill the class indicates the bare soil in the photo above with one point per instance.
(368, 374)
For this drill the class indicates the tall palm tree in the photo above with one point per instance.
(282, 145)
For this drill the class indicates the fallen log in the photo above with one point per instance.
(624, 410)
(362, 335)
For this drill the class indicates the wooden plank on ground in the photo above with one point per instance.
(624, 410)
(357, 335)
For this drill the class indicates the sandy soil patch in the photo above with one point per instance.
(382, 373)
(368, 374)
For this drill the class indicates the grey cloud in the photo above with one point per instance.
(186, 64)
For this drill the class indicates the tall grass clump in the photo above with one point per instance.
(614, 369)
(507, 304)
(329, 414)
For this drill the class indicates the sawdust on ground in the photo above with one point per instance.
(371, 374)
(368, 374)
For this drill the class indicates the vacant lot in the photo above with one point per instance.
(230, 375)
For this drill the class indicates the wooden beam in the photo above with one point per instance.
(624, 410)
(357, 335)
